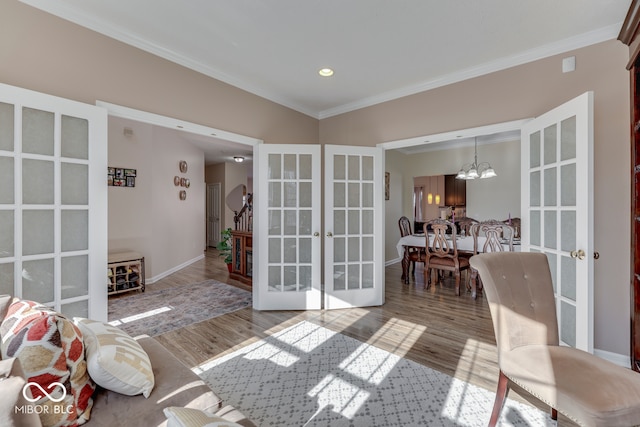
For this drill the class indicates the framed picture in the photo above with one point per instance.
(119, 182)
(386, 185)
(109, 179)
(130, 172)
(119, 173)
(131, 181)
(111, 171)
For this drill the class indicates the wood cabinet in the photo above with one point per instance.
(125, 272)
(629, 36)
(242, 256)
(455, 191)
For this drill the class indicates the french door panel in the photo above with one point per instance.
(557, 210)
(288, 202)
(53, 202)
(354, 209)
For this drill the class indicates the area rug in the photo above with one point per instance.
(308, 375)
(157, 312)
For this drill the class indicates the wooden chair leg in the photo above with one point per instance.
(554, 414)
(501, 396)
(457, 283)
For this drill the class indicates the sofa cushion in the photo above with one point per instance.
(189, 417)
(14, 407)
(51, 352)
(175, 385)
(115, 361)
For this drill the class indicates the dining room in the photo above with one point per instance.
(423, 185)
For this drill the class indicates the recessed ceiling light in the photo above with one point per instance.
(238, 159)
(326, 72)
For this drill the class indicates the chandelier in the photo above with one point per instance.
(476, 170)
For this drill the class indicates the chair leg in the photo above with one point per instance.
(458, 283)
(554, 414)
(501, 396)
(474, 282)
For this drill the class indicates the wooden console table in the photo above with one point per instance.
(242, 256)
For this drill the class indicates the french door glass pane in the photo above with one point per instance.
(550, 227)
(275, 225)
(550, 184)
(534, 188)
(37, 131)
(6, 126)
(339, 167)
(568, 323)
(535, 235)
(305, 167)
(568, 185)
(75, 184)
(339, 222)
(274, 171)
(568, 138)
(74, 137)
(74, 230)
(6, 178)
(76, 309)
(568, 227)
(37, 182)
(553, 266)
(367, 221)
(534, 150)
(550, 144)
(75, 277)
(38, 280)
(7, 238)
(568, 278)
(37, 232)
(6, 279)
(354, 167)
(339, 277)
(367, 168)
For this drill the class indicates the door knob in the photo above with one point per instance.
(596, 255)
(577, 254)
(329, 234)
(316, 234)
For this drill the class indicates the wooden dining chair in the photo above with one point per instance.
(442, 251)
(415, 254)
(498, 237)
(515, 223)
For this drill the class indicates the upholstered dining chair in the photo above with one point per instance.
(415, 254)
(442, 251)
(587, 389)
(498, 237)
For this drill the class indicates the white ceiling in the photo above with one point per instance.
(380, 49)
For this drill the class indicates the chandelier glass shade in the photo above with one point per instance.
(476, 170)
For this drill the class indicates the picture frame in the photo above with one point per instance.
(119, 182)
(130, 181)
(119, 173)
(130, 172)
(387, 180)
(111, 171)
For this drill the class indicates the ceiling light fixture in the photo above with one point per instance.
(325, 72)
(475, 169)
(238, 159)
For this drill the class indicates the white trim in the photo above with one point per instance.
(173, 270)
(171, 123)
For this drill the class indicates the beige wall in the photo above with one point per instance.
(47, 54)
(523, 92)
(150, 218)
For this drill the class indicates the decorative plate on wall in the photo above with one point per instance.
(183, 195)
(176, 180)
(183, 166)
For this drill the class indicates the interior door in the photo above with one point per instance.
(354, 218)
(287, 227)
(213, 214)
(557, 210)
(53, 202)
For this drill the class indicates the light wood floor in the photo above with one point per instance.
(432, 327)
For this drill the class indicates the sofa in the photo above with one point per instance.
(176, 395)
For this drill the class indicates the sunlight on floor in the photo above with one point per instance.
(140, 316)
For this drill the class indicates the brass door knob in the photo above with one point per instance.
(577, 254)
(329, 234)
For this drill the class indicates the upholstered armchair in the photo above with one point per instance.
(587, 389)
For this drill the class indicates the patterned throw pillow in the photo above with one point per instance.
(51, 352)
(189, 417)
(115, 360)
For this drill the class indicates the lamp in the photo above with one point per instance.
(430, 198)
(475, 169)
(238, 159)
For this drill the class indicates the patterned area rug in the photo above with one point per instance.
(308, 375)
(157, 312)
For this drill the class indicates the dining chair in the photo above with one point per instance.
(415, 254)
(442, 252)
(515, 223)
(464, 225)
(587, 389)
(498, 237)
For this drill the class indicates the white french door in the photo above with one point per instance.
(354, 210)
(53, 202)
(288, 235)
(287, 227)
(557, 210)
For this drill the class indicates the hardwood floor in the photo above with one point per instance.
(432, 327)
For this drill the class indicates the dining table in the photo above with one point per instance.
(464, 244)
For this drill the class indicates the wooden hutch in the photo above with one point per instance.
(629, 35)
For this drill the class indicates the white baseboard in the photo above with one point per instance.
(618, 359)
(392, 261)
(173, 270)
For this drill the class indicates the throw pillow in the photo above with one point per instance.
(115, 360)
(188, 417)
(51, 352)
(15, 411)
